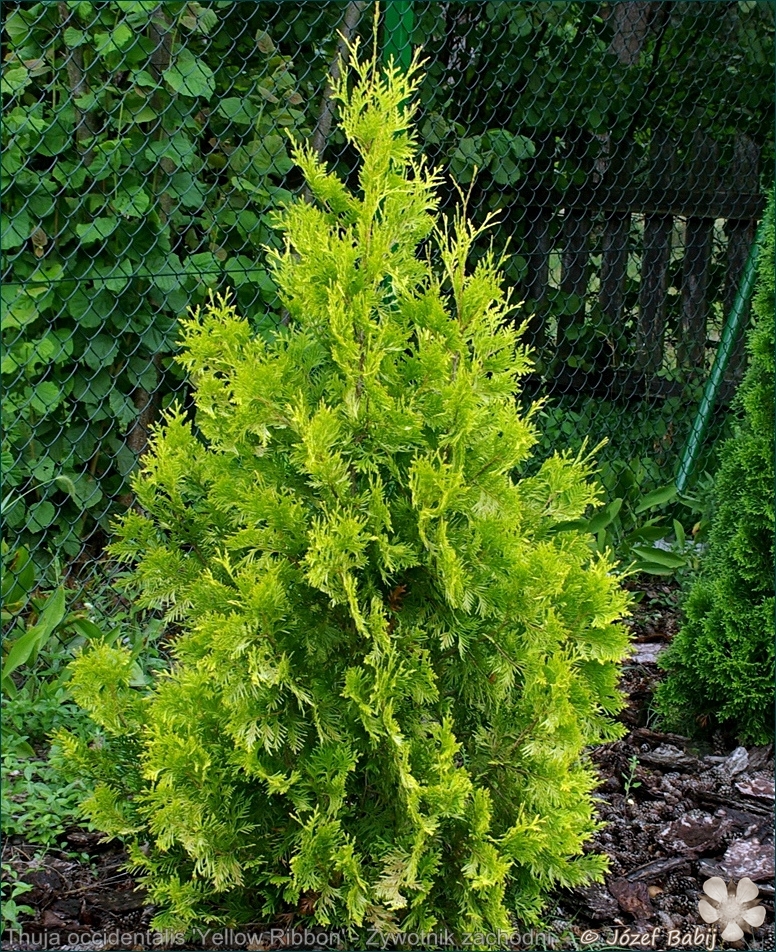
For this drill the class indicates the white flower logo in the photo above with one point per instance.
(731, 907)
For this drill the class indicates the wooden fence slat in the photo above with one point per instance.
(614, 263)
(614, 247)
(575, 268)
(652, 293)
(699, 229)
(695, 282)
(656, 257)
(537, 254)
(744, 170)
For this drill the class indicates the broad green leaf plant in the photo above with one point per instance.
(138, 164)
(389, 666)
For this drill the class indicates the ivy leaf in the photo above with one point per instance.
(46, 397)
(92, 392)
(73, 37)
(189, 76)
(204, 266)
(112, 275)
(522, 147)
(595, 119)
(11, 160)
(142, 77)
(81, 307)
(40, 516)
(43, 471)
(17, 27)
(88, 492)
(14, 231)
(248, 222)
(14, 80)
(86, 102)
(125, 460)
(113, 42)
(239, 110)
(267, 94)
(141, 371)
(121, 36)
(166, 272)
(505, 172)
(264, 42)
(138, 107)
(97, 230)
(242, 270)
(189, 191)
(19, 308)
(199, 19)
(122, 407)
(101, 351)
(134, 202)
(178, 149)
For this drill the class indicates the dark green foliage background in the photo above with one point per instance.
(129, 189)
(721, 664)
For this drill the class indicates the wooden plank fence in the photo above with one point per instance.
(696, 197)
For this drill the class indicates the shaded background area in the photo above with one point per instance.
(625, 146)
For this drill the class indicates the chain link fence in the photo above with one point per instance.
(625, 145)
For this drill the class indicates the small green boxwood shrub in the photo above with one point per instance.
(390, 660)
(721, 664)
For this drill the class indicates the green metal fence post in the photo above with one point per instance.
(397, 36)
(730, 334)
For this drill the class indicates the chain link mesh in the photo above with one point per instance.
(624, 145)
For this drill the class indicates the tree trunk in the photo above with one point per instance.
(654, 264)
(86, 125)
(631, 27)
(744, 175)
(350, 21)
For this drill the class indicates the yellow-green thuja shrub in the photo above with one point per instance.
(391, 656)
